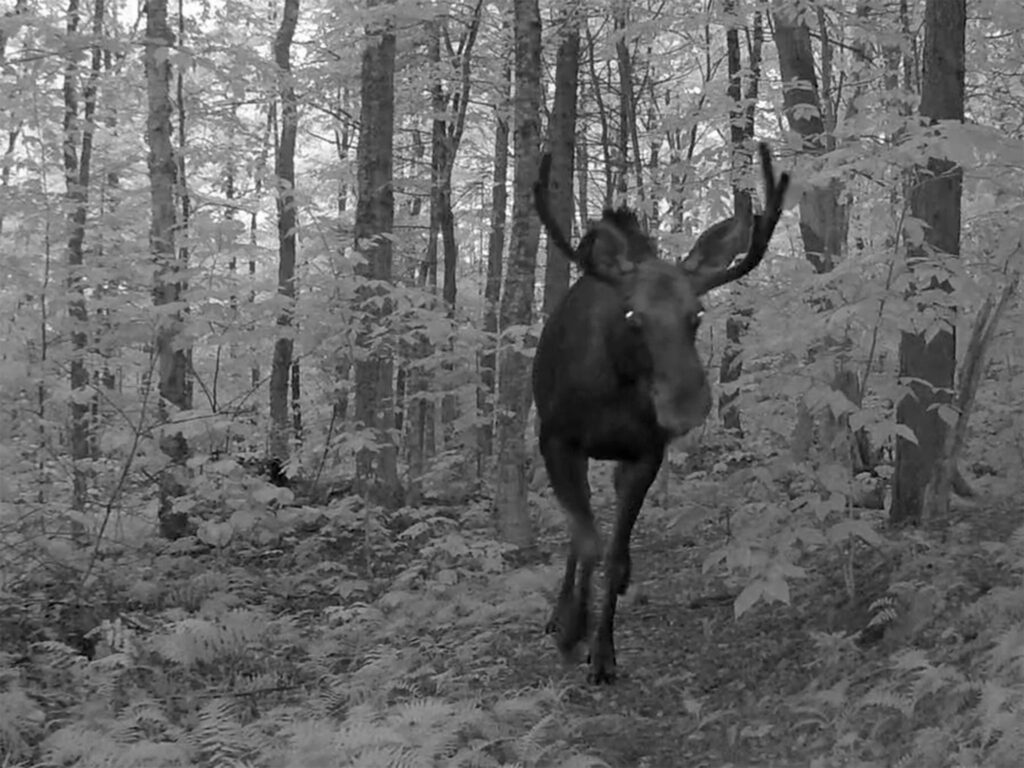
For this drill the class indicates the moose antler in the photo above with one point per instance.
(701, 265)
(543, 205)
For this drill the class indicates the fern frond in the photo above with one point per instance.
(902, 703)
(218, 734)
(22, 718)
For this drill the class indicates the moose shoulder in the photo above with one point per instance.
(616, 376)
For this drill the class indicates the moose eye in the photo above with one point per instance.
(633, 318)
(696, 318)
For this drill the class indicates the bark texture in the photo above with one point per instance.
(513, 520)
(928, 361)
(376, 467)
(171, 360)
(287, 219)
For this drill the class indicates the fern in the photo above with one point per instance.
(883, 611)
(193, 641)
(218, 735)
(21, 723)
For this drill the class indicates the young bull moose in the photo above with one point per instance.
(616, 376)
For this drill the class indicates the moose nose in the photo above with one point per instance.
(679, 412)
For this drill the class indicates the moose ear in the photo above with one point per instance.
(607, 256)
(719, 245)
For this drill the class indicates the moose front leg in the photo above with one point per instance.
(567, 471)
(632, 480)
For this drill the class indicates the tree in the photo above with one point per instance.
(741, 134)
(77, 155)
(495, 251)
(824, 217)
(287, 220)
(928, 355)
(377, 467)
(171, 358)
(517, 298)
(449, 122)
(449, 107)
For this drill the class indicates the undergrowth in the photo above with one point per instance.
(343, 636)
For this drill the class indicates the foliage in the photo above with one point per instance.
(300, 625)
(949, 690)
(303, 661)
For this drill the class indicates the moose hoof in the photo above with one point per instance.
(568, 623)
(603, 670)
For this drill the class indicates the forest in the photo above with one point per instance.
(280, 420)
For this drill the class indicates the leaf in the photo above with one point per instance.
(948, 414)
(716, 557)
(836, 479)
(748, 597)
(215, 534)
(810, 536)
(269, 493)
(913, 230)
(860, 419)
(350, 587)
(902, 430)
(847, 529)
(777, 589)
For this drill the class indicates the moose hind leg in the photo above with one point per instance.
(567, 470)
(632, 480)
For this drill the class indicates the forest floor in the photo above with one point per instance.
(696, 687)
(348, 637)
(700, 688)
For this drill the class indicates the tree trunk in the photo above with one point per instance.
(287, 219)
(561, 145)
(76, 179)
(170, 362)
(741, 134)
(495, 251)
(342, 144)
(602, 117)
(928, 361)
(628, 136)
(377, 467)
(823, 218)
(582, 178)
(824, 221)
(110, 200)
(255, 376)
(513, 518)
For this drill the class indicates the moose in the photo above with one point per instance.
(616, 376)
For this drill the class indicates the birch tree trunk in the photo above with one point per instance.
(171, 362)
(76, 179)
